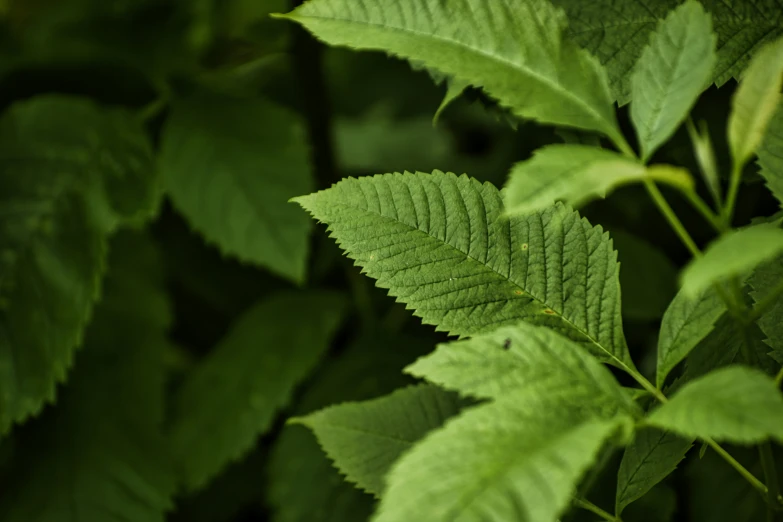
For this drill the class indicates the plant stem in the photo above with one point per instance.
(756, 483)
(768, 300)
(779, 378)
(700, 205)
(589, 506)
(731, 195)
(672, 218)
(771, 478)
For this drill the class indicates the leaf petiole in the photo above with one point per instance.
(589, 506)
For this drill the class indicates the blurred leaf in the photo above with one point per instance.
(100, 454)
(648, 278)
(69, 173)
(764, 280)
(771, 155)
(231, 166)
(233, 395)
(755, 101)
(303, 484)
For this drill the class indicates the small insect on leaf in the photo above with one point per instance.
(507, 344)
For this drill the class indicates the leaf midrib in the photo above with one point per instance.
(457, 71)
(505, 278)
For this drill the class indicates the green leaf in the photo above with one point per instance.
(509, 460)
(230, 166)
(649, 458)
(705, 156)
(648, 278)
(454, 90)
(574, 174)
(763, 281)
(523, 358)
(514, 50)
(670, 75)
(364, 439)
(70, 171)
(770, 155)
(441, 245)
(617, 33)
(268, 351)
(732, 254)
(736, 403)
(755, 101)
(302, 483)
(686, 322)
(100, 454)
(658, 505)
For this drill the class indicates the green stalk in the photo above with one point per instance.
(672, 218)
(589, 506)
(731, 196)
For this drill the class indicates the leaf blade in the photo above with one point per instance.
(568, 85)
(671, 73)
(426, 238)
(735, 403)
(229, 175)
(235, 416)
(364, 439)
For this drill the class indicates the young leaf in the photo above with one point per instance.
(649, 458)
(303, 485)
(509, 460)
(618, 32)
(364, 439)
(730, 255)
(513, 49)
(522, 358)
(441, 245)
(670, 75)
(771, 155)
(69, 173)
(685, 323)
(574, 174)
(736, 403)
(233, 395)
(755, 101)
(100, 454)
(230, 165)
(705, 156)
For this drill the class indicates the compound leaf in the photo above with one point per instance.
(364, 439)
(732, 254)
(755, 101)
(70, 172)
(735, 403)
(522, 358)
(230, 166)
(685, 323)
(649, 458)
(233, 395)
(441, 244)
(100, 455)
(514, 49)
(671, 73)
(509, 460)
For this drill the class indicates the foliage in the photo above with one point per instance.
(593, 340)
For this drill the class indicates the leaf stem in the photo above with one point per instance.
(731, 195)
(701, 206)
(779, 378)
(756, 483)
(589, 506)
(672, 218)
